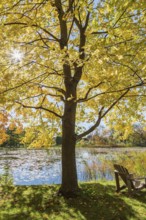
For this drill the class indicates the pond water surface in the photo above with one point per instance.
(36, 167)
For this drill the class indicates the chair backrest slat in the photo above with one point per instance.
(123, 173)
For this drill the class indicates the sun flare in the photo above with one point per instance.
(17, 55)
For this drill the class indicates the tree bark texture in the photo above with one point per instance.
(69, 186)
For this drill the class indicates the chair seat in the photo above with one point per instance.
(140, 186)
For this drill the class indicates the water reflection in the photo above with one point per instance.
(35, 167)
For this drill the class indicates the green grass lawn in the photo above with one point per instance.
(96, 201)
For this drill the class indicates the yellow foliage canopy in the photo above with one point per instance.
(91, 53)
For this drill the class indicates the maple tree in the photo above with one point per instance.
(3, 122)
(73, 61)
(7, 122)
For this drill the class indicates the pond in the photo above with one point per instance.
(37, 167)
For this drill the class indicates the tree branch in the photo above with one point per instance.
(93, 127)
(87, 21)
(108, 92)
(70, 5)
(52, 87)
(33, 25)
(99, 32)
(100, 116)
(22, 84)
(39, 107)
(115, 102)
(70, 29)
(89, 90)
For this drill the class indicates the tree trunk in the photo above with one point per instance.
(69, 186)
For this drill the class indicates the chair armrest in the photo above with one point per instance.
(131, 173)
(137, 178)
(140, 178)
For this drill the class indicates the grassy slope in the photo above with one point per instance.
(97, 201)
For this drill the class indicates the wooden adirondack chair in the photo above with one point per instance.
(133, 184)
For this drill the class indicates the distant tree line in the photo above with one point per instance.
(137, 137)
(100, 138)
(13, 140)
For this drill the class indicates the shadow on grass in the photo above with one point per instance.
(101, 202)
(95, 202)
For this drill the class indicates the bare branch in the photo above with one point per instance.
(100, 32)
(39, 107)
(135, 72)
(87, 20)
(55, 95)
(115, 102)
(43, 40)
(100, 116)
(93, 127)
(117, 43)
(52, 87)
(88, 92)
(134, 96)
(70, 5)
(70, 29)
(120, 17)
(22, 84)
(108, 92)
(32, 97)
(33, 25)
